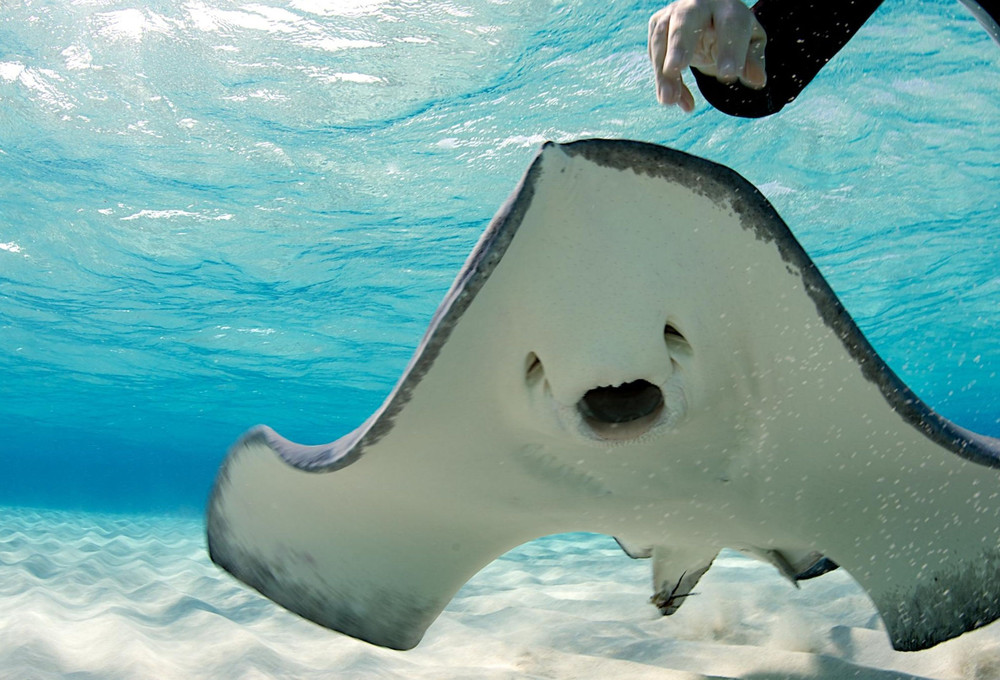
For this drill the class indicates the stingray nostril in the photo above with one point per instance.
(670, 331)
(622, 404)
(677, 344)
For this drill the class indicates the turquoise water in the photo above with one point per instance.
(214, 214)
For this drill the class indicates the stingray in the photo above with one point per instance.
(637, 346)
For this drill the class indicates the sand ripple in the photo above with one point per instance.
(90, 597)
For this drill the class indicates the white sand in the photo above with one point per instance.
(92, 597)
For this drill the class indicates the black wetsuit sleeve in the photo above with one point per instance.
(802, 36)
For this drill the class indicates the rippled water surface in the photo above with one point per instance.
(214, 214)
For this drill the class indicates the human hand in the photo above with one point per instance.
(720, 38)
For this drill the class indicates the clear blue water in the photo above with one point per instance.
(216, 213)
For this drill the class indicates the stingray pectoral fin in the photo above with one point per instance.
(929, 597)
(926, 544)
(351, 552)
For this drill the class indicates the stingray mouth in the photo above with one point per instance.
(623, 411)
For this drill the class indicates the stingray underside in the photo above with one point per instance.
(637, 346)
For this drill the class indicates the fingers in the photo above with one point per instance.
(687, 23)
(720, 38)
(659, 25)
(740, 42)
(686, 99)
(674, 35)
(754, 75)
(732, 34)
(669, 84)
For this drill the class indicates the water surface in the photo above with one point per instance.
(214, 214)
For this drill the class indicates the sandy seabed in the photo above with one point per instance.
(89, 596)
